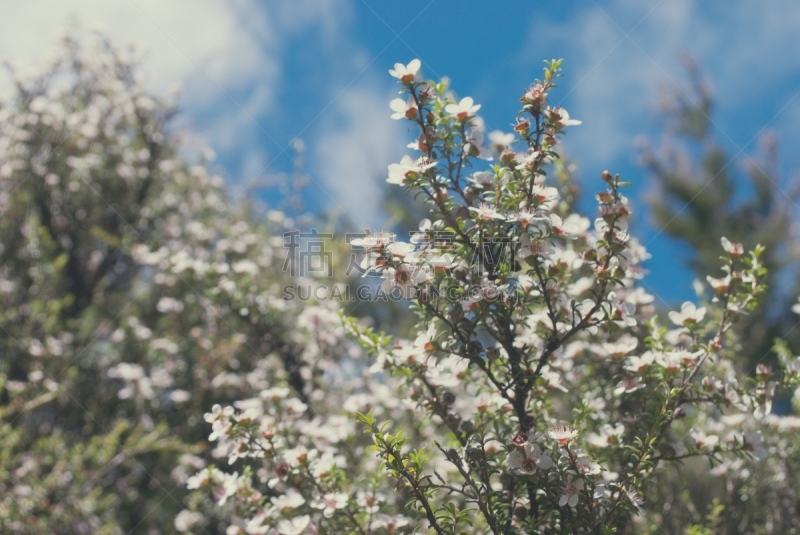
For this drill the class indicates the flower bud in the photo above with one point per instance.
(473, 453)
(452, 419)
(606, 176)
(470, 193)
(426, 94)
(448, 398)
(522, 127)
(282, 469)
(474, 348)
(467, 427)
(508, 157)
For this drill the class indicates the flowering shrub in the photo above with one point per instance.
(541, 390)
(541, 393)
(135, 297)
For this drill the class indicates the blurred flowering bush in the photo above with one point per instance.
(541, 391)
(135, 295)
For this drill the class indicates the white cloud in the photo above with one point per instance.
(230, 58)
(211, 33)
(227, 55)
(358, 141)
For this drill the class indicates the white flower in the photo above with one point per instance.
(291, 500)
(484, 179)
(406, 73)
(628, 385)
(572, 488)
(500, 140)
(440, 262)
(486, 212)
(330, 503)
(530, 459)
(796, 307)
(640, 364)
(719, 285)
(606, 436)
(258, 524)
(703, 440)
(553, 379)
(408, 169)
(186, 519)
(245, 266)
(205, 477)
(562, 118)
(299, 455)
(179, 396)
(403, 109)
(389, 523)
(671, 362)
(562, 433)
(753, 443)
(569, 228)
(735, 250)
(401, 249)
(169, 304)
(544, 195)
(689, 315)
(621, 347)
(295, 526)
(474, 145)
(524, 217)
(375, 241)
(369, 501)
(530, 161)
(404, 277)
(587, 466)
(465, 109)
(529, 247)
(635, 499)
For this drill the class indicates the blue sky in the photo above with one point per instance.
(257, 75)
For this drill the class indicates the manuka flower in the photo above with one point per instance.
(403, 109)
(689, 315)
(408, 169)
(530, 459)
(562, 434)
(406, 73)
(572, 489)
(465, 109)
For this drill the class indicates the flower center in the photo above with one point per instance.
(529, 465)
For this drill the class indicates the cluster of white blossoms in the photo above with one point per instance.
(153, 364)
(539, 392)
